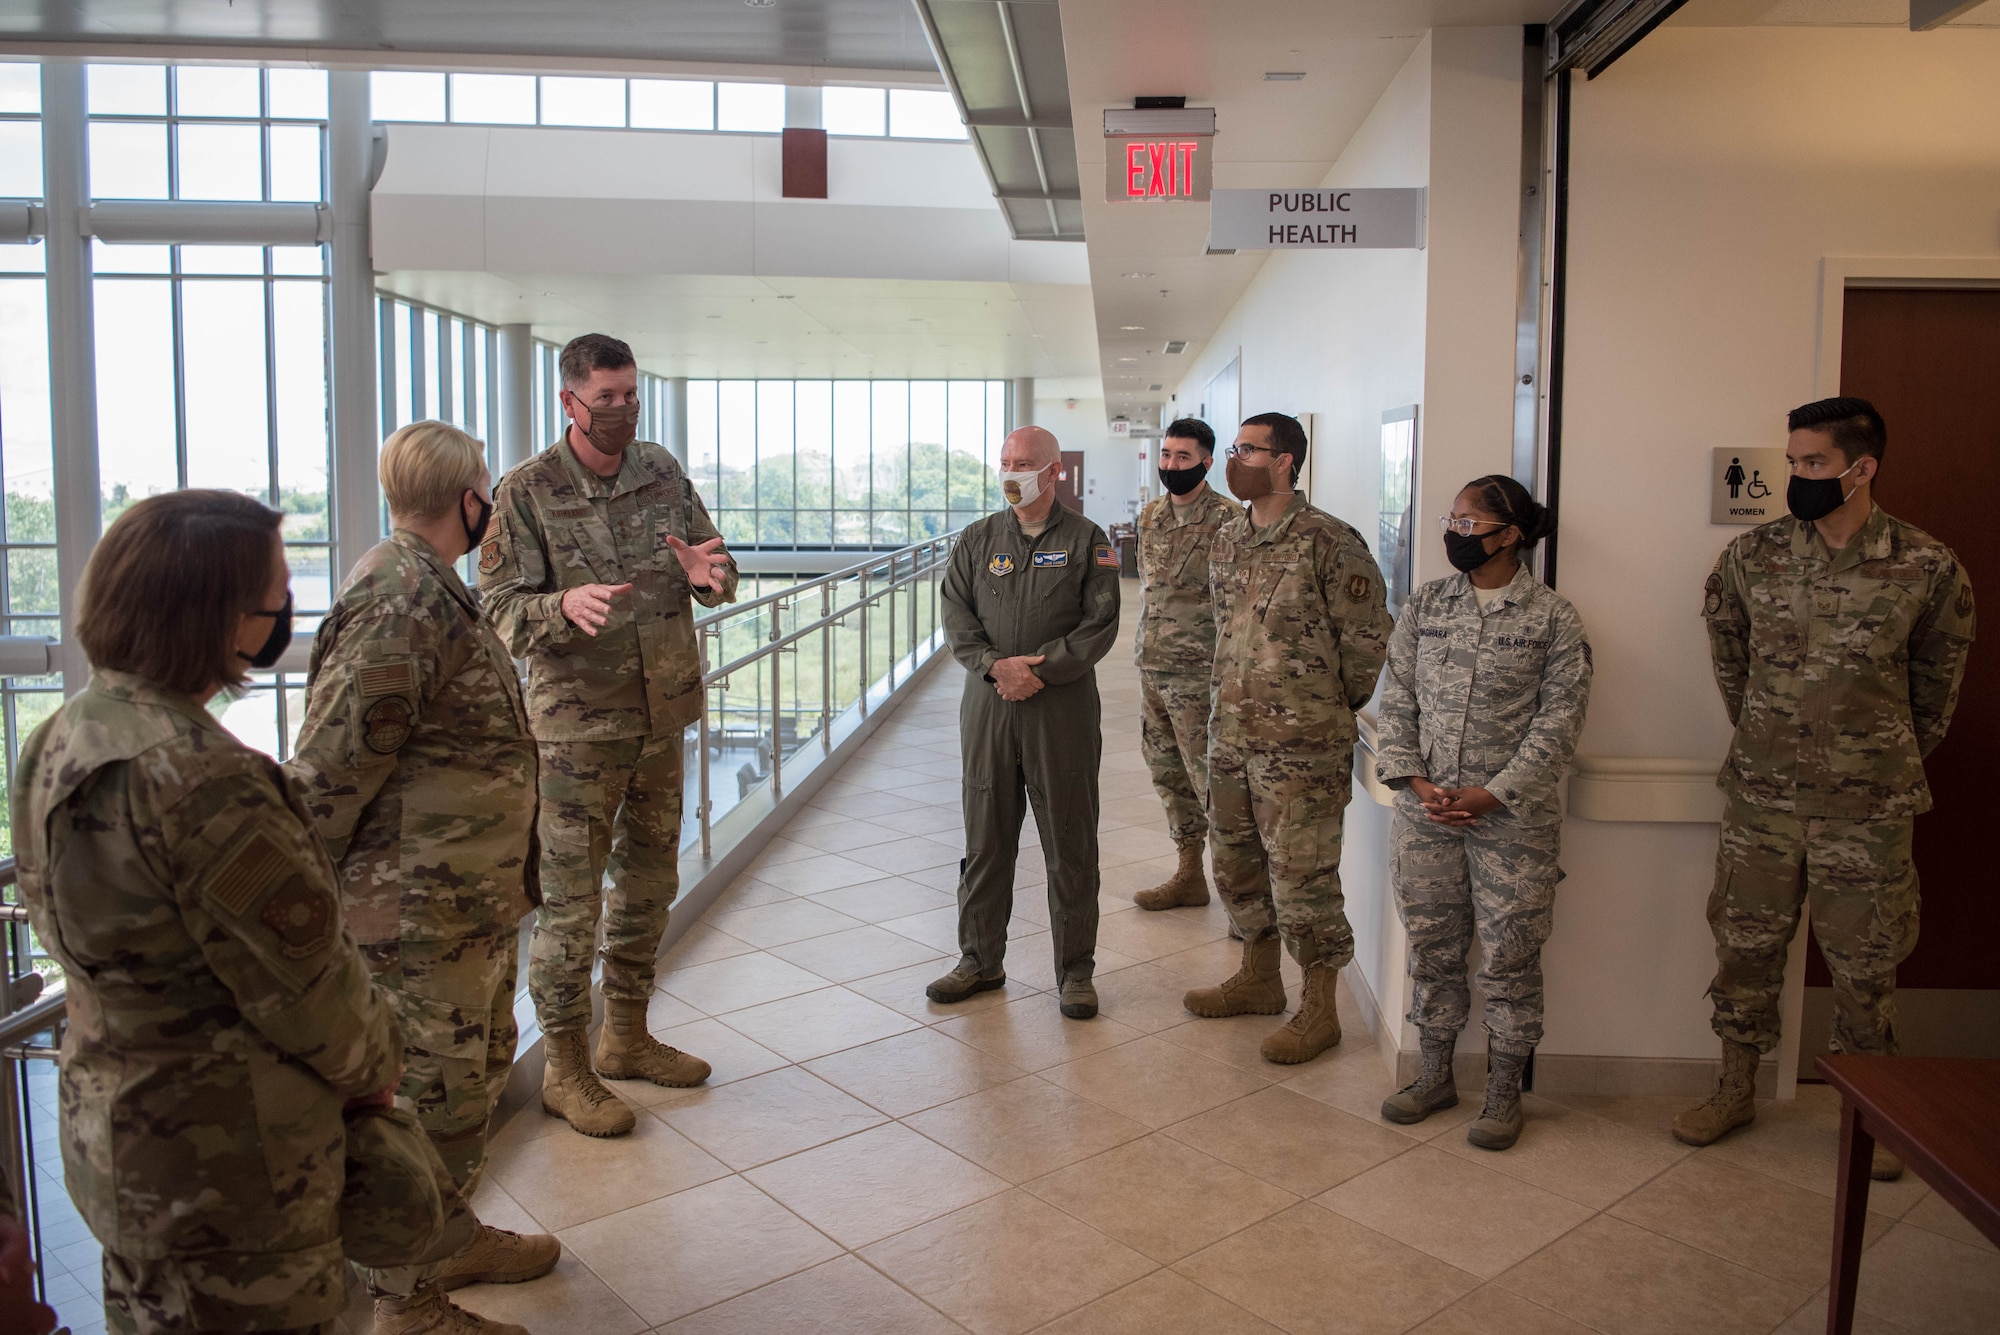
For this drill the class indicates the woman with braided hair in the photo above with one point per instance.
(1488, 675)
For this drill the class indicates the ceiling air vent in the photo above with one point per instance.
(1175, 346)
(1155, 388)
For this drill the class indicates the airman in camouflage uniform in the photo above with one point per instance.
(1175, 650)
(417, 764)
(1840, 669)
(608, 706)
(219, 1014)
(1303, 630)
(1486, 690)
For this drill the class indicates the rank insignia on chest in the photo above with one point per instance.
(1107, 557)
(1002, 564)
(1051, 559)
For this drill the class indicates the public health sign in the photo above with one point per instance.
(1316, 219)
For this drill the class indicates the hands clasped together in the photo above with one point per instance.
(1015, 679)
(1453, 806)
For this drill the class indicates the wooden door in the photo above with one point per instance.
(1069, 481)
(1929, 359)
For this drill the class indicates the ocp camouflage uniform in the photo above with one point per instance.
(607, 711)
(417, 765)
(1303, 630)
(1840, 671)
(219, 1014)
(1175, 650)
(1487, 698)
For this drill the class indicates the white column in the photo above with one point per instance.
(517, 394)
(357, 499)
(1021, 403)
(72, 345)
(676, 427)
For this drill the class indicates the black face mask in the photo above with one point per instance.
(279, 640)
(1811, 498)
(1467, 552)
(475, 531)
(1181, 481)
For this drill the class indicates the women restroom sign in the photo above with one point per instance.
(1746, 486)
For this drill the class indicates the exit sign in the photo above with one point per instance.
(1143, 169)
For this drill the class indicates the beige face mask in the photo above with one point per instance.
(1247, 482)
(612, 429)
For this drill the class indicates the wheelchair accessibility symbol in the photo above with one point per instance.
(1743, 483)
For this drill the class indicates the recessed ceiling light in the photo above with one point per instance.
(1283, 76)
(1135, 274)
(1131, 329)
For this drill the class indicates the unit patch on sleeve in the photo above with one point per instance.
(386, 724)
(1357, 589)
(1107, 556)
(489, 556)
(302, 917)
(1051, 558)
(1002, 564)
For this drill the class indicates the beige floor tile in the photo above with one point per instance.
(913, 1071)
(842, 1297)
(733, 1056)
(944, 878)
(1314, 1272)
(828, 871)
(1031, 956)
(945, 824)
(1930, 1282)
(767, 1117)
(1145, 811)
(1134, 844)
(664, 1011)
(747, 892)
(1935, 1214)
(1799, 1140)
(1355, 1080)
(1292, 1141)
(742, 980)
(1572, 1153)
(1459, 1212)
(879, 901)
(816, 1023)
(867, 805)
(897, 856)
(493, 1206)
(1009, 1263)
(570, 1297)
(936, 928)
(866, 1187)
(795, 919)
(701, 943)
(1492, 1310)
(1772, 1227)
(1624, 1280)
(1033, 1035)
(903, 990)
(830, 833)
(1150, 936)
(1025, 1128)
(1149, 999)
(858, 952)
(1154, 1082)
(782, 849)
(1160, 1304)
(1161, 1197)
(1237, 1040)
(703, 1246)
(565, 1179)
(1811, 1320)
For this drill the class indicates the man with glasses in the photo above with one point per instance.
(1304, 630)
(1030, 604)
(599, 549)
(1175, 650)
(1839, 636)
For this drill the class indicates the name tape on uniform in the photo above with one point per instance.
(1051, 558)
(1388, 219)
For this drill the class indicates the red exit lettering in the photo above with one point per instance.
(1159, 169)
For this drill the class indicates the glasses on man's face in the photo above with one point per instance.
(1465, 528)
(1244, 450)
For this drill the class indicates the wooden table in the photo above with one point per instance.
(1941, 1117)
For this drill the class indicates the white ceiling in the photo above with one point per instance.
(790, 327)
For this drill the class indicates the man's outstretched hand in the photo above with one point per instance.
(707, 564)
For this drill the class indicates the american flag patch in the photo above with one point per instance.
(1106, 556)
(386, 679)
(252, 871)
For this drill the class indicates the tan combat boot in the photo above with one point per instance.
(1255, 989)
(1498, 1125)
(572, 1092)
(429, 1312)
(625, 1051)
(500, 1256)
(1434, 1089)
(1186, 888)
(1733, 1104)
(1314, 1027)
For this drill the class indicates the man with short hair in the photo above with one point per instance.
(1175, 649)
(1030, 605)
(419, 772)
(1839, 636)
(600, 547)
(1304, 630)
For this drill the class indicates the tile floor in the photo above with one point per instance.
(864, 1161)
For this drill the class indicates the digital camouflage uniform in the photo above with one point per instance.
(1489, 699)
(1840, 671)
(416, 761)
(219, 1014)
(1175, 650)
(1303, 629)
(1004, 595)
(608, 712)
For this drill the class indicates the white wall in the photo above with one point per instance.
(1711, 171)
(1110, 465)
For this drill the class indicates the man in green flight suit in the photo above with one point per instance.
(1839, 636)
(1030, 605)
